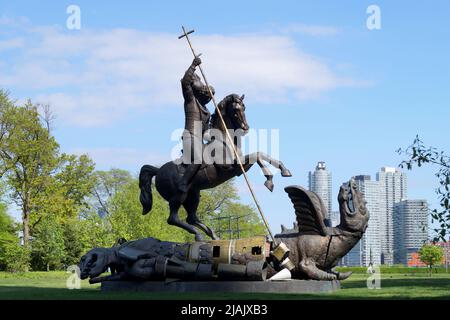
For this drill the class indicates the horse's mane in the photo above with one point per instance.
(215, 121)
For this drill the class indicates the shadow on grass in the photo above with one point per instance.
(36, 293)
(392, 288)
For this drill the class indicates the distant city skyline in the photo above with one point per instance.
(393, 233)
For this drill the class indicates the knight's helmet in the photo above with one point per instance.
(201, 91)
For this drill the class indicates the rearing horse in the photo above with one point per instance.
(167, 178)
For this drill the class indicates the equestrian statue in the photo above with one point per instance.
(180, 181)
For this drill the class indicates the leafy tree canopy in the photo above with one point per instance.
(418, 155)
(431, 255)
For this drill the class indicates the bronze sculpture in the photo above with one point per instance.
(172, 177)
(314, 249)
(196, 96)
(309, 251)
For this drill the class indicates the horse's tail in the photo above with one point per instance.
(145, 184)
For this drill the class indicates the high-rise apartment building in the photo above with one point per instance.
(335, 218)
(320, 182)
(393, 184)
(410, 219)
(371, 240)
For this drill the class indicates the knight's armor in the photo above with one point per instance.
(196, 96)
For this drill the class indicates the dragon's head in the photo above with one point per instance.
(352, 206)
(95, 262)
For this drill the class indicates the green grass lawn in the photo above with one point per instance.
(52, 285)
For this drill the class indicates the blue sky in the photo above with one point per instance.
(337, 91)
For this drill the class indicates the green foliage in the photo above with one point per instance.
(40, 180)
(107, 183)
(13, 257)
(95, 231)
(431, 255)
(47, 248)
(6, 223)
(117, 198)
(221, 209)
(419, 154)
(74, 242)
(66, 194)
(126, 219)
(28, 153)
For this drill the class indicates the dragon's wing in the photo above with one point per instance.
(309, 209)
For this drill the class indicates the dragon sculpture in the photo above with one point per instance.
(314, 248)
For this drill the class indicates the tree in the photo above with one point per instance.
(74, 241)
(28, 155)
(117, 213)
(95, 231)
(419, 154)
(12, 255)
(431, 255)
(40, 180)
(65, 195)
(216, 198)
(107, 183)
(126, 219)
(221, 208)
(48, 245)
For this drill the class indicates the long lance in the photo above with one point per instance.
(186, 34)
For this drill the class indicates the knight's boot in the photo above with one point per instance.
(189, 172)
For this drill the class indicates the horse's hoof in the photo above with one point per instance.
(269, 185)
(286, 173)
(199, 237)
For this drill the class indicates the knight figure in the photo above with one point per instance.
(196, 97)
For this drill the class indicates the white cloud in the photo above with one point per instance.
(11, 44)
(95, 77)
(127, 158)
(311, 30)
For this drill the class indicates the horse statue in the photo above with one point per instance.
(167, 177)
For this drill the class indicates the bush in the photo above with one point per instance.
(14, 257)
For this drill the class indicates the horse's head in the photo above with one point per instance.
(232, 108)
